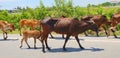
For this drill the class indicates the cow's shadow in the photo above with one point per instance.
(118, 37)
(1, 39)
(60, 38)
(112, 37)
(70, 49)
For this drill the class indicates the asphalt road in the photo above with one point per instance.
(95, 47)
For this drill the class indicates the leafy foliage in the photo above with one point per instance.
(61, 7)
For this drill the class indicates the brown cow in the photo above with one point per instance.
(100, 20)
(115, 19)
(32, 23)
(86, 18)
(4, 26)
(68, 26)
(59, 18)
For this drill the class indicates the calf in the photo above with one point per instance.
(28, 34)
(4, 26)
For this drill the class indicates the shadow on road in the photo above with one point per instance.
(60, 38)
(118, 38)
(70, 49)
(8, 39)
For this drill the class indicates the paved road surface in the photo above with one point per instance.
(95, 47)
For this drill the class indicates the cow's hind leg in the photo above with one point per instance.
(66, 39)
(42, 41)
(51, 35)
(114, 33)
(106, 31)
(35, 43)
(46, 43)
(5, 35)
(85, 33)
(63, 36)
(27, 43)
(21, 42)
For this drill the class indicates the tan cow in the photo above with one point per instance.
(28, 34)
(4, 26)
(32, 23)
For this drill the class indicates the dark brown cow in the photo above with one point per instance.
(100, 20)
(115, 19)
(4, 26)
(68, 26)
(86, 18)
(60, 18)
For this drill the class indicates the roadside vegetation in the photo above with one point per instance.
(60, 7)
